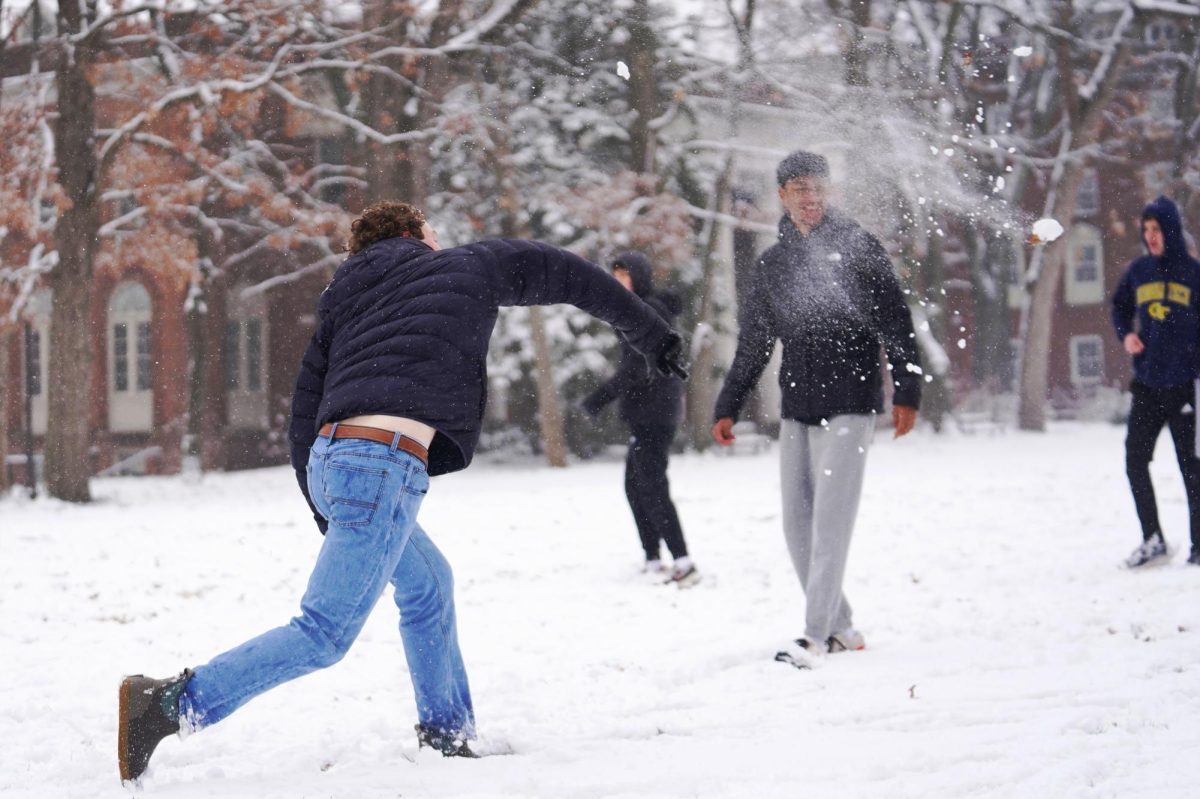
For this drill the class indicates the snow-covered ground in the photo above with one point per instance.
(1008, 655)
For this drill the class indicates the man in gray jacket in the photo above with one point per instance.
(827, 290)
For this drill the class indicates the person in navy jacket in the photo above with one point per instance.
(390, 392)
(652, 405)
(1156, 313)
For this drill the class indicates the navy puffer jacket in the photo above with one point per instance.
(1163, 294)
(645, 396)
(403, 330)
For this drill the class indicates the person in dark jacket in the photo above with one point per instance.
(390, 392)
(1157, 318)
(651, 404)
(827, 290)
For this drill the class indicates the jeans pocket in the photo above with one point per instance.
(352, 490)
(417, 483)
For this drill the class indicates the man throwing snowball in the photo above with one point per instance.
(391, 391)
(827, 290)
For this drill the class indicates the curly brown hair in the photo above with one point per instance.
(385, 220)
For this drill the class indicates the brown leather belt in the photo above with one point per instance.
(377, 434)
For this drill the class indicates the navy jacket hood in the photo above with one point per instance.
(1166, 213)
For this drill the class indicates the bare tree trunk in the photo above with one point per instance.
(1035, 360)
(70, 353)
(643, 88)
(1082, 116)
(6, 398)
(384, 106)
(702, 387)
(550, 414)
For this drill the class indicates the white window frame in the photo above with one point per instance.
(131, 370)
(1077, 377)
(1087, 201)
(1077, 291)
(39, 323)
(245, 373)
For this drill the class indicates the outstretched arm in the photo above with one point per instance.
(534, 273)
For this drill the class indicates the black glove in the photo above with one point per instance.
(670, 360)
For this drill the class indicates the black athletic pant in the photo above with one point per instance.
(1151, 409)
(648, 492)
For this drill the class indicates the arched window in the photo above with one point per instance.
(37, 358)
(1084, 275)
(130, 363)
(245, 359)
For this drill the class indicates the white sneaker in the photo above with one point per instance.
(654, 567)
(848, 640)
(1147, 552)
(802, 653)
(684, 574)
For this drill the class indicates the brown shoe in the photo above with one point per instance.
(148, 711)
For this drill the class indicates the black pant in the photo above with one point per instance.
(1151, 409)
(649, 493)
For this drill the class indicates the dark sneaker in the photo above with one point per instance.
(1194, 558)
(802, 653)
(450, 744)
(147, 712)
(1147, 552)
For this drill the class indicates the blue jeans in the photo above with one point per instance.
(370, 493)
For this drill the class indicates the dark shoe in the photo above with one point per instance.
(1194, 558)
(148, 711)
(1149, 551)
(450, 744)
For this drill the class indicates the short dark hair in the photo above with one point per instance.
(801, 164)
(385, 220)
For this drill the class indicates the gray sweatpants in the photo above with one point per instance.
(821, 475)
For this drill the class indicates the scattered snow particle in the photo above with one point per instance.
(622, 70)
(962, 343)
(1023, 52)
(828, 472)
(912, 367)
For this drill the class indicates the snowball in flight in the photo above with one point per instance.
(622, 70)
(1045, 231)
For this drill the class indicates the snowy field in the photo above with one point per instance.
(1008, 655)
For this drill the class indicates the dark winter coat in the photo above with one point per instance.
(403, 331)
(647, 397)
(1163, 294)
(832, 298)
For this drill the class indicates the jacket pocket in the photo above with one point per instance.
(352, 490)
